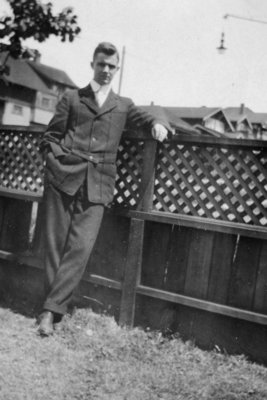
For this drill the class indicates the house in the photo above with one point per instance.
(30, 91)
(247, 123)
(240, 118)
(214, 119)
(259, 124)
(235, 122)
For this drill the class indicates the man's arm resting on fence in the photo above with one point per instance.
(158, 125)
(159, 132)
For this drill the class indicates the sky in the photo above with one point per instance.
(171, 57)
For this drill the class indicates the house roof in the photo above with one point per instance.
(198, 113)
(21, 74)
(192, 112)
(52, 74)
(174, 121)
(35, 75)
(260, 118)
(235, 114)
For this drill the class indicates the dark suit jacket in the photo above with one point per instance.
(82, 141)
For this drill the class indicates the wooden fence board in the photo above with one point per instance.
(15, 225)
(109, 253)
(260, 300)
(245, 270)
(155, 253)
(199, 261)
(181, 238)
(221, 267)
(2, 213)
(132, 273)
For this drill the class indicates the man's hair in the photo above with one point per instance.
(107, 48)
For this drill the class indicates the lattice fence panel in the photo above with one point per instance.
(212, 182)
(129, 167)
(228, 184)
(21, 164)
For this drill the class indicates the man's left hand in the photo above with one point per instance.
(159, 132)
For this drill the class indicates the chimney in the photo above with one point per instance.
(242, 108)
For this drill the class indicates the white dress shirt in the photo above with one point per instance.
(101, 92)
(159, 132)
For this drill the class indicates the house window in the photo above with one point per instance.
(18, 110)
(45, 102)
(242, 127)
(215, 124)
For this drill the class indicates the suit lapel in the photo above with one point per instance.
(88, 98)
(110, 103)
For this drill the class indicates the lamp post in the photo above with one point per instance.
(221, 49)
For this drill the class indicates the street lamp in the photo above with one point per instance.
(221, 49)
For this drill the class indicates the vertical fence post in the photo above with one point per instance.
(132, 272)
(133, 265)
(146, 189)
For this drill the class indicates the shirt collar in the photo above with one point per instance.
(105, 89)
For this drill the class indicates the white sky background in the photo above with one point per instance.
(171, 57)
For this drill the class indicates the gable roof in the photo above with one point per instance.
(235, 113)
(35, 75)
(20, 73)
(198, 113)
(243, 119)
(51, 74)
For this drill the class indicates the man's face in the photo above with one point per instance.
(105, 68)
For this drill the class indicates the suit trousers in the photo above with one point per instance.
(71, 227)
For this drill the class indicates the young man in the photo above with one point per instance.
(81, 144)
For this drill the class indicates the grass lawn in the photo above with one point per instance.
(91, 357)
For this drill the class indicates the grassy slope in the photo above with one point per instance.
(90, 357)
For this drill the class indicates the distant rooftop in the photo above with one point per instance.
(34, 75)
(192, 112)
(21, 74)
(52, 74)
(236, 114)
(259, 117)
(173, 119)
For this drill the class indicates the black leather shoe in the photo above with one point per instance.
(46, 320)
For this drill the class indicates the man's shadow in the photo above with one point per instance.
(21, 288)
(22, 291)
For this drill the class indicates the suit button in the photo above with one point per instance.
(90, 157)
(93, 139)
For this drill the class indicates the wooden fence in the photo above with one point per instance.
(185, 240)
